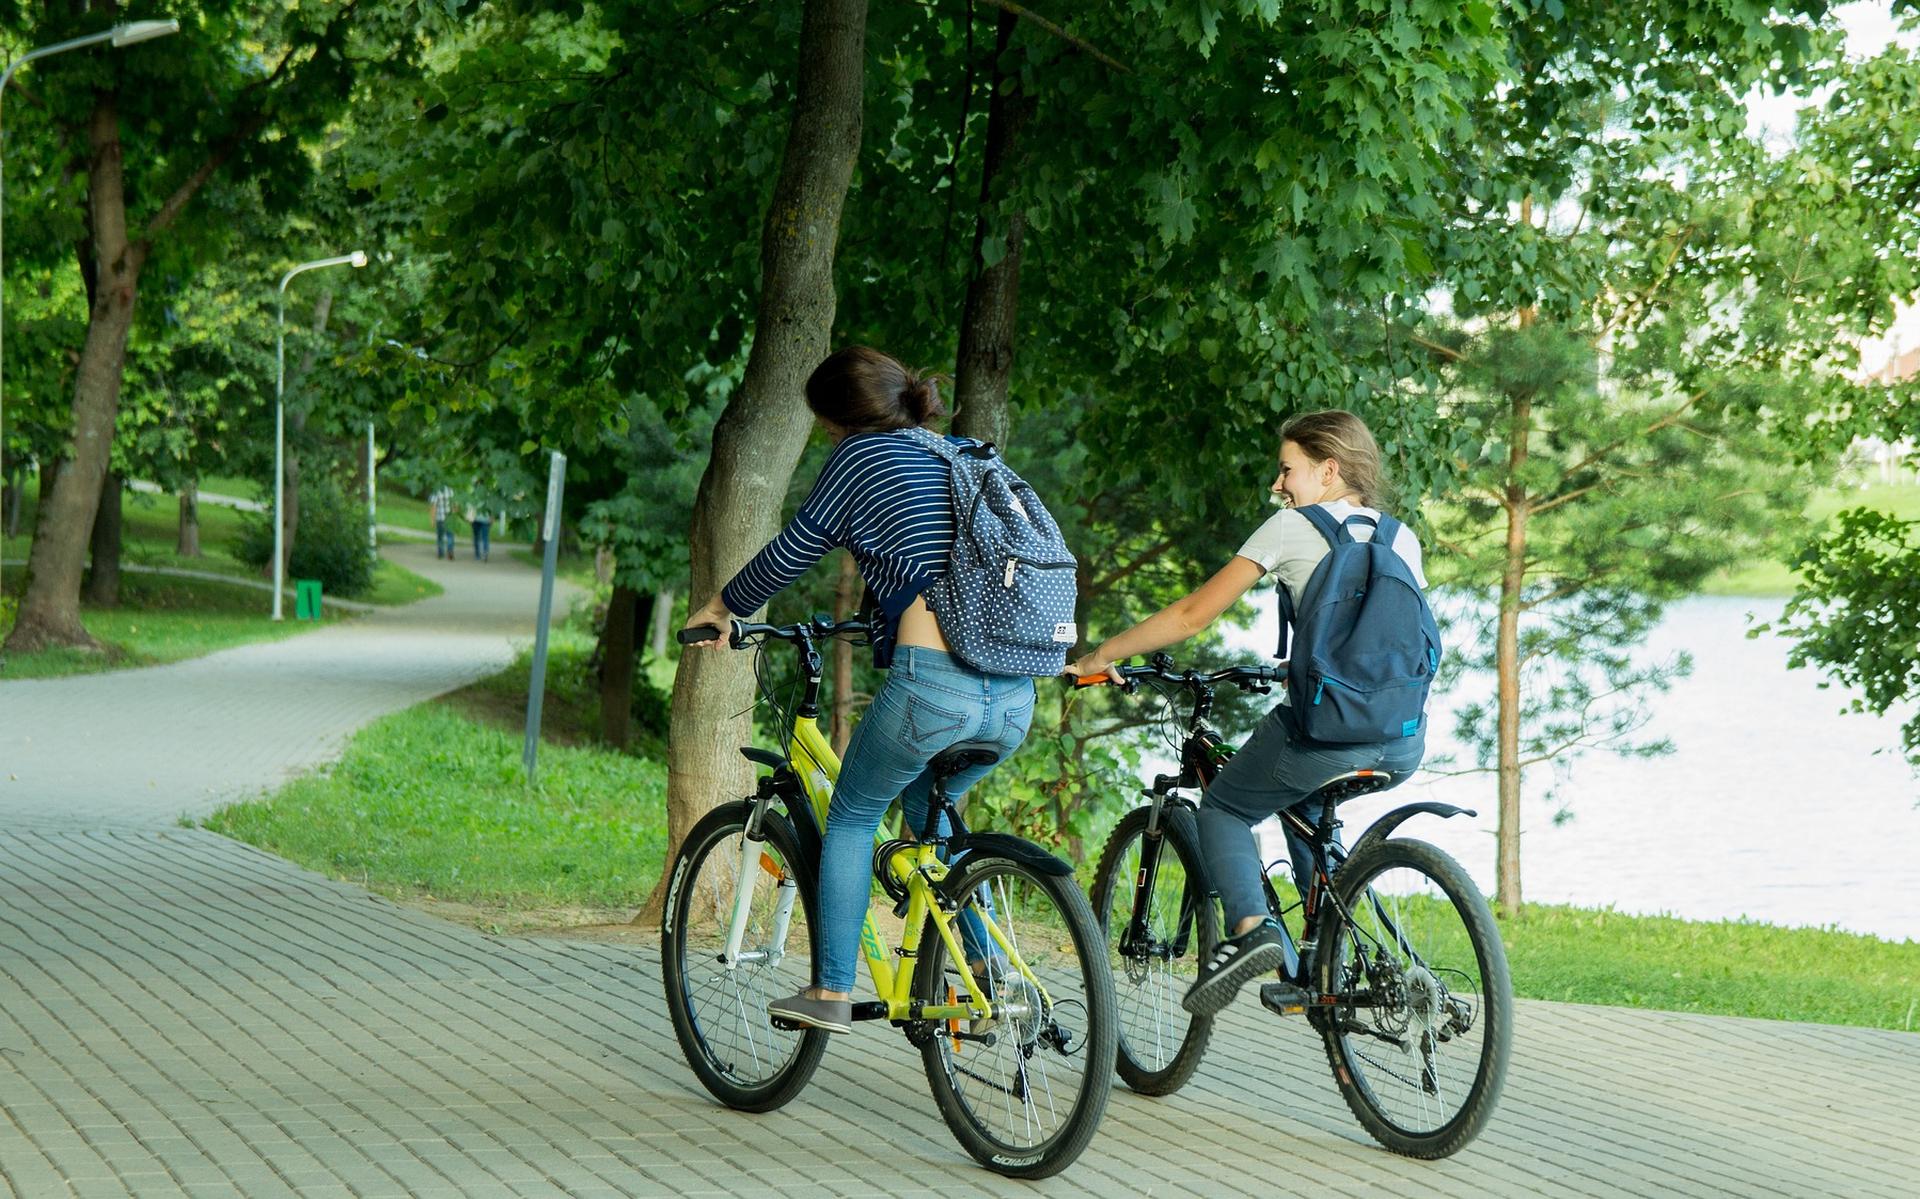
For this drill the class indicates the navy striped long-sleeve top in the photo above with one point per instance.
(885, 498)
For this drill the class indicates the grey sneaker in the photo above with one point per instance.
(802, 1010)
(1234, 962)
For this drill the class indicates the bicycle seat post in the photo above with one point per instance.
(949, 762)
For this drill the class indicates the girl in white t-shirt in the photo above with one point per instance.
(1331, 459)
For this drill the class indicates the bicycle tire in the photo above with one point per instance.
(1159, 1043)
(1413, 904)
(743, 1061)
(1062, 947)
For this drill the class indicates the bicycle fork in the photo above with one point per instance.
(753, 858)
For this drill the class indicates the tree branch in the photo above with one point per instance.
(1100, 587)
(1081, 44)
(1562, 498)
(1617, 442)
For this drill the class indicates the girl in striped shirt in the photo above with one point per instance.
(888, 501)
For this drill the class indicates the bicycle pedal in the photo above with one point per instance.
(1285, 999)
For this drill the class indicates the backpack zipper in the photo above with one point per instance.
(1013, 562)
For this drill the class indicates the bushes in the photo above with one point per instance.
(330, 543)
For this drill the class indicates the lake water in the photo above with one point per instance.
(1774, 806)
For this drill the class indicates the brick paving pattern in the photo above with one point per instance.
(184, 1015)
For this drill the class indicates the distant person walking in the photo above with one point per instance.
(480, 520)
(441, 505)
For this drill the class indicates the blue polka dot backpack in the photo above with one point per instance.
(1006, 602)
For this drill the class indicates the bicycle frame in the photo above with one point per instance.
(1202, 753)
(811, 769)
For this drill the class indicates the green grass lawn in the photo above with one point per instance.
(432, 804)
(159, 620)
(165, 619)
(1768, 577)
(1727, 968)
(150, 536)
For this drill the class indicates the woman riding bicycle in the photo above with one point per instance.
(1330, 459)
(887, 500)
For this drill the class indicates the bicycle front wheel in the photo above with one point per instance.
(1423, 1025)
(1159, 883)
(719, 1006)
(1024, 1094)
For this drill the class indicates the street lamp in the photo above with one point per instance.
(120, 35)
(357, 259)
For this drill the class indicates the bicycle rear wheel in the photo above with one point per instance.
(1024, 1096)
(1160, 1043)
(719, 1011)
(1420, 1037)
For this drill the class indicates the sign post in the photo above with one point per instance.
(537, 680)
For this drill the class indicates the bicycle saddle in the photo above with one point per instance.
(956, 758)
(1352, 785)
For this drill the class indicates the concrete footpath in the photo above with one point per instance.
(184, 1015)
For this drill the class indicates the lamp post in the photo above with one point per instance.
(126, 34)
(357, 259)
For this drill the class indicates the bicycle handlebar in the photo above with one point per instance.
(740, 633)
(1247, 678)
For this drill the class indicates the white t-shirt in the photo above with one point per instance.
(1289, 547)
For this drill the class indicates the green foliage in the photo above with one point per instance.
(1856, 614)
(332, 541)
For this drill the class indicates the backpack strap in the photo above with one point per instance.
(1387, 530)
(946, 449)
(1334, 531)
(1323, 521)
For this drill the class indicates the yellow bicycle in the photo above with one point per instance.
(1017, 1037)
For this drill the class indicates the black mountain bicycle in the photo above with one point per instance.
(1396, 963)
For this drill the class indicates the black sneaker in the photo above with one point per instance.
(1234, 962)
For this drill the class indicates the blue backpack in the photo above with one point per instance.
(1365, 645)
(1006, 601)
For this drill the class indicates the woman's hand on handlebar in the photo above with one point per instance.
(1092, 669)
(713, 619)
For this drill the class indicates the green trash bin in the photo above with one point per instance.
(306, 599)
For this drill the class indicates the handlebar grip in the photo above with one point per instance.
(698, 633)
(1090, 680)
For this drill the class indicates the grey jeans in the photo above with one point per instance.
(1271, 773)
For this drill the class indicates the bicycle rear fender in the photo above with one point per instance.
(1004, 845)
(1383, 828)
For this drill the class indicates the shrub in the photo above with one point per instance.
(330, 543)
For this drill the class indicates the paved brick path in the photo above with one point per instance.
(180, 1014)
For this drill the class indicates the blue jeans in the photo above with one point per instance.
(480, 542)
(1271, 773)
(442, 539)
(929, 702)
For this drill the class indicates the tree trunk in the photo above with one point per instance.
(189, 541)
(12, 492)
(758, 439)
(50, 612)
(616, 667)
(985, 364)
(1512, 580)
(846, 598)
(103, 581)
(298, 408)
(662, 624)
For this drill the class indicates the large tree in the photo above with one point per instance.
(1637, 292)
(116, 118)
